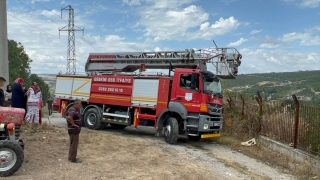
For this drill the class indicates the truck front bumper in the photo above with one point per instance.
(209, 124)
(212, 135)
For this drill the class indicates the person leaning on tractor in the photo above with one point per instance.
(74, 128)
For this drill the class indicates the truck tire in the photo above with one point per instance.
(92, 119)
(118, 126)
(11, 158)
(194, 138)
(171, 131)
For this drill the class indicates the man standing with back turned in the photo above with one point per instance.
(74, 128)
(49, 104)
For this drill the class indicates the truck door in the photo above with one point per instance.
(188, 92)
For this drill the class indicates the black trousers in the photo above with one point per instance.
(50, 111)
(74, 141)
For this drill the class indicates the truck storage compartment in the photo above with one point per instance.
(111, 89)
(145, 92)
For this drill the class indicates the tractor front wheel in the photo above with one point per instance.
(11, 158)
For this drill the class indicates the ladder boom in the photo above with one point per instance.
(224, 61)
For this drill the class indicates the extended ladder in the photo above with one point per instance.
(225, 61)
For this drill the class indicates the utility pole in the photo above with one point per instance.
(70, 27)
(4, 63)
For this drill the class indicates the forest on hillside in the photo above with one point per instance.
(277, 86)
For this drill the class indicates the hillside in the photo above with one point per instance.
(273, 86)
(278, 86)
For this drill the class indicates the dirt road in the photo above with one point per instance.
(133, 154)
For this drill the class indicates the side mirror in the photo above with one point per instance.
(194, 80)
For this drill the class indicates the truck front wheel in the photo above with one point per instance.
(11, 158)
(92, 119)
(171, 130)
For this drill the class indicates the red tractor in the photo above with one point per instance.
(11, 147)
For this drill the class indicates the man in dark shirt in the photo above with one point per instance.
(49, 103)
(74, 128)
(2, 81)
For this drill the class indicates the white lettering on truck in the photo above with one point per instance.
(123, 80)
(112, 79)
(110, 89)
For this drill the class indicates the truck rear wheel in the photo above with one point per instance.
(11, 158)
(171, 130)
(92, 119)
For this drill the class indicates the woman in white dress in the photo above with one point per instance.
(34, 97)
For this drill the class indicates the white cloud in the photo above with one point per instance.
(305, 3)
(305, 39)
(180, 20)
(293, 39)
(33, 1)
(237, 43)
(131, 2)
(255, 31)
(290, 37)
(166, 4)
(40, 38)
(276, 61)
(269, 45)
(310, 3)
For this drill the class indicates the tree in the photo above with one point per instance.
(19, 66)
(19, 61)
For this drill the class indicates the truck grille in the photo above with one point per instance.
(214, 109)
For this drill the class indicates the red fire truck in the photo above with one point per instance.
(187, 101)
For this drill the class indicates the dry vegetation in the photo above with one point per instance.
(302, 170)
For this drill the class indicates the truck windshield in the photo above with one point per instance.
(212, 87)
(211, 83)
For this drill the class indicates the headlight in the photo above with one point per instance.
(206, 126)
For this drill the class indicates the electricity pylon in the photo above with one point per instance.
(71, 28)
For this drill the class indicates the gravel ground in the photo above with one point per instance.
(133, 153)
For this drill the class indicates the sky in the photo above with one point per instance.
(271, 35)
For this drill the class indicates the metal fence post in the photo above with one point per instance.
(296, 121)
(259, 101)
(242, 108)
(229, 101)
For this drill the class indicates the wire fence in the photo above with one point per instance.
(289, 123)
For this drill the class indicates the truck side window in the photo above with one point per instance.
(185, 81)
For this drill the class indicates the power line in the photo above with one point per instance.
(51, 11)
(38, 12)
(36, 28)
(54, 21)
(89, 44)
